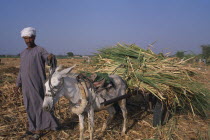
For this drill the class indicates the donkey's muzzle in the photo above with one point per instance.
(47, 108)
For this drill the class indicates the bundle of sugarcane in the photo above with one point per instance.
(167, 78)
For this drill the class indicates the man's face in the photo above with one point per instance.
(29, 40)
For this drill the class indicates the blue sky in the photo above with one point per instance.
(83, 26)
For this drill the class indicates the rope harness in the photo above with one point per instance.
(55, 89)
(90, 81)
(96, 86)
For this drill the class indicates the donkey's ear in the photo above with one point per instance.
(64, 72)
(58, 68)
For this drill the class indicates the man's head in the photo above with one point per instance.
(29, 35)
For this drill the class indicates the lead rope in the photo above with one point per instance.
(53, 65)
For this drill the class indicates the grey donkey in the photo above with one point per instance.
(84, 98)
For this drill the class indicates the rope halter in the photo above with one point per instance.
(54, 89)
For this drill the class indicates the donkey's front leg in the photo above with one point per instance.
(81, 126)
(91, 121)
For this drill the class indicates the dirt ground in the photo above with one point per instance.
(13, 120)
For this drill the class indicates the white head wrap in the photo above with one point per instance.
(29, 31)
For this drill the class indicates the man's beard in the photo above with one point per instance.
(30, 44)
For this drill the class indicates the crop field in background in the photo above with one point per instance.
(13, 120)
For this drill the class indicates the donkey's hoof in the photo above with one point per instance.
(103, 129)
(122, 133)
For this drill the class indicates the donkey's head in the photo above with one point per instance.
(54, 86)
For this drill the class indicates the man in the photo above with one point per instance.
(31, 80)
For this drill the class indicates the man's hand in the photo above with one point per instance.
(49, 57)
(16, 90)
